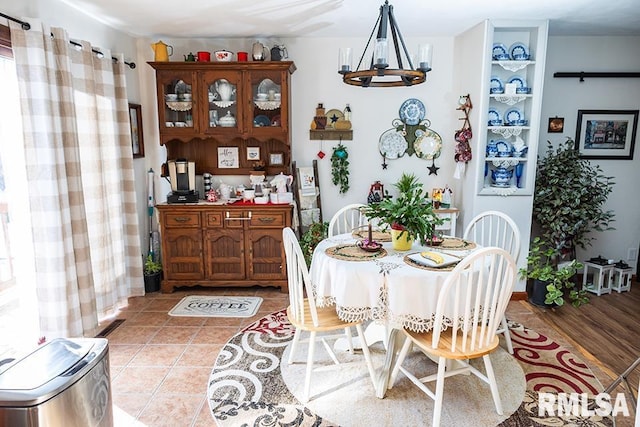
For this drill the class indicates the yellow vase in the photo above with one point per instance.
(399, 240)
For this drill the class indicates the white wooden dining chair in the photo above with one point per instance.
(305, 316)
(347, 219)
(469, 310)
(495, 228)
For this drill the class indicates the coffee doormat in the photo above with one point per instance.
(216, 306)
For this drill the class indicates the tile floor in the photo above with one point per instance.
(160, 364)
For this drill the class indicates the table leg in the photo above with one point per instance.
(394, 343)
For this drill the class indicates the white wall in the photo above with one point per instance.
(317, 81)
(563, 97)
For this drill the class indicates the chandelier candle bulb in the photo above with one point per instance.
(425, 54)
(344, 59)
(380, 55)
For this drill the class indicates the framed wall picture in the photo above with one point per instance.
(556, 125)
(606, 134)
(135, 121)
(228, 158)
(276, 159)
(253, 153)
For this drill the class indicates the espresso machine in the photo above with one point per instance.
(182, 175)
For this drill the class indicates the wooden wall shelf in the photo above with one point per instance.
(331, 134)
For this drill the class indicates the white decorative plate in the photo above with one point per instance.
(332, 117)
(392, 144)
(519, 52)
(412, 111)
(494, 115)
(266, 85)
(495, 85)
(519, 81)
(504, 148)
(426, 261)
(428, 145)
(512, 116)
(499, 52)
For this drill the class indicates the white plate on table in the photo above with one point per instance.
(428, 262)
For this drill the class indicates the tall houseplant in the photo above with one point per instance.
(569, 198)
(410, 214)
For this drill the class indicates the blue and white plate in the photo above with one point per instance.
(499, 52)
(504, 148)
(495, 85)
(412, 111)
(261, 120)
(519, 81)
(494, 117)
(519, 52)
(513, 116)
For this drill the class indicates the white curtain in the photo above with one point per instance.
(79, 172)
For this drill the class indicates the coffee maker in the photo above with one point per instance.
(182, 175)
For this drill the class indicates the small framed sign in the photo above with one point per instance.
(228, 158)
(276, 159)
(253, 153)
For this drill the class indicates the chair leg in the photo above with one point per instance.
(507, 335)
(367, 354)
(403, 354)
(294, 344)
(307, 378)
(492, 383)
(437, 405)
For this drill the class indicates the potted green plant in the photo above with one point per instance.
(316, 232)
(410, 215)
(569, 198)
(152, 274)
(549, 280)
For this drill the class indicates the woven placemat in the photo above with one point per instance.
(412, 263)
(456, 244)
(377, 236)
(353, 253)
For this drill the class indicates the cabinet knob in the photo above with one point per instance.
(182, 219)
(268, 219)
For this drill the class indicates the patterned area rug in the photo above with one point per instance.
(250, 385)
(215, 306)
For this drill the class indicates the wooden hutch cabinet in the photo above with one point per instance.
(216, 245)
(205, 108)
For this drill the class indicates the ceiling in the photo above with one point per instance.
(352, 18)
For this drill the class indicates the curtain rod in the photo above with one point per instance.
(26, 26)
(582, 74)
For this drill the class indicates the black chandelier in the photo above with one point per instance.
(379, 74)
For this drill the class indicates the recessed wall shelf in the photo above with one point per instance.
(331, 134)
(582, 74)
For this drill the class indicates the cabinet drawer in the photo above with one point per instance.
(213, 219)
(264, 219)
(182, 219)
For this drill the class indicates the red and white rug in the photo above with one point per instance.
(251, 385)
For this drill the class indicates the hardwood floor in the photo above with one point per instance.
(605, 334)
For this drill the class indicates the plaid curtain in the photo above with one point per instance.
(79, 165)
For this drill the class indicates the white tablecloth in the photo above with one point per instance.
(383, 289)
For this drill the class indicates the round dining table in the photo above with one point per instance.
(395, 289)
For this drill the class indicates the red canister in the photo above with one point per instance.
(204, 56)
(242, 56)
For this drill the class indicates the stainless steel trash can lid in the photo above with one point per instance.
(50, 368)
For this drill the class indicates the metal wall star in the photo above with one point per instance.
(433, 169)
